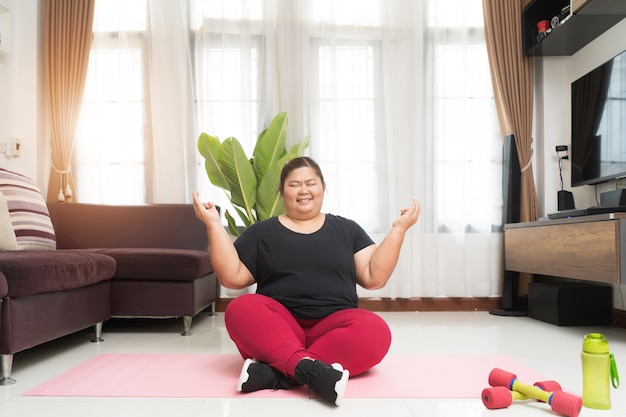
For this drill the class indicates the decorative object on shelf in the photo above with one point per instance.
(561, 17)
(543, 28)
(574, 24)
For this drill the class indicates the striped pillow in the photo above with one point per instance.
(28, 212)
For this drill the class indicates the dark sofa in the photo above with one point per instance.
(67, 266)
(50, 294)
(110, 261)
(161, 253)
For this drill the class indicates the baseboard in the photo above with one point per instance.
(415, 304)
(437, 304)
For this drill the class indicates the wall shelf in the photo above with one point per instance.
(6, 30)
(587, 20)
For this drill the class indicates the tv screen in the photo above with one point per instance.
(598, 149)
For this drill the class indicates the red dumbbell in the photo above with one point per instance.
(561, 402)
(495, 398)
(501, 397)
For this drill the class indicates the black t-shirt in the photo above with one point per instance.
(313, 275)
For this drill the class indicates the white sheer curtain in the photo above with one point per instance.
(137, 133)
(172, 122)
(395, 94)
(110, 139)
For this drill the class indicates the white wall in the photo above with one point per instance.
(21, 95)
(554, 76)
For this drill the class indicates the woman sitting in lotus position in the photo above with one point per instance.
(303, 322)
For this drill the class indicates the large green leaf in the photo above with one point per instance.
(251, 184)
(269, 201)
(298, 148)
(247, 221)
(232, 225)
(209, 147)
(270, 146)
(239, 174)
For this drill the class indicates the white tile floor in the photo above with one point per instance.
(550, 350)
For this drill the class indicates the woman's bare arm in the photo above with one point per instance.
(375, 263)
(230, 271)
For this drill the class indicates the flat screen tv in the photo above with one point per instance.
(598, 148)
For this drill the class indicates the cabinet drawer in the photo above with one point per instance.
(587, 251)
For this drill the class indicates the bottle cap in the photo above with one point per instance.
(595, 343)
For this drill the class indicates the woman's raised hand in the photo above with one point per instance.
(408, 216)
(206, 212)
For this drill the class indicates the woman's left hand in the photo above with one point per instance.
(408, 216)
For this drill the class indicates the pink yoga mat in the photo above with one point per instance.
(205, 376)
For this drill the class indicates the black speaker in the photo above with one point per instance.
(511, 190)
(511, 181)
(613, 198)
(565, 200)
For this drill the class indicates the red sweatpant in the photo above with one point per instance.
(263, 329)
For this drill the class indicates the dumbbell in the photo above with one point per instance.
(495, 398)
(561, 402)
(501, 397)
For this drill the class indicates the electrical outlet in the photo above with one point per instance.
(14, 148)
(11, 149)
(561, 148)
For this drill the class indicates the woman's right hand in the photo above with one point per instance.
(224, 257)
(206, 212)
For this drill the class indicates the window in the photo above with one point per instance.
(110, 145)
(466, 151)
(331, 77)
(395, 94)
(346, 102)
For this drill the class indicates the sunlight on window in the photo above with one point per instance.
(225, 9)
(345, 97)
(346, 126)
(110, 152)
(455, 13)
(466, 152)
(227, 98)
(346, 92)
(228, 101)
(347, 12)
(119, 15)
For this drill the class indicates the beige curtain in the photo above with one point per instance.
(512, 77)
(67, 41)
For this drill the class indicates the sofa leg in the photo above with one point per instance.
(187, 326)
(7, 364)
(98, 333)
(213, 313)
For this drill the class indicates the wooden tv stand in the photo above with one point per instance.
(587, 248)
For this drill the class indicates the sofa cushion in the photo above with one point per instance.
(7, 235)
(36, 272)
(28, 211)
(159, 264)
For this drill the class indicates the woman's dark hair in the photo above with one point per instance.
(295, 163)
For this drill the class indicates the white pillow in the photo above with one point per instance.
(7, 235)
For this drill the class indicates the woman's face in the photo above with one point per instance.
(303, 193)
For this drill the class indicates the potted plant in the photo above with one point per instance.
(251, 184)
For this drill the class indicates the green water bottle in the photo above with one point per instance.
(599, 372)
